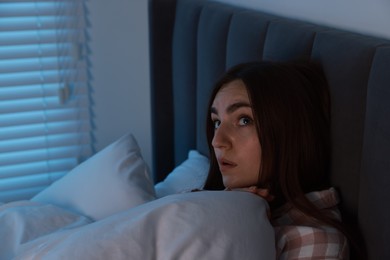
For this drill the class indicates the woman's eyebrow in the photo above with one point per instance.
(231, 108)
(213, 110)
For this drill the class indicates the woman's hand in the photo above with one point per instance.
(264, 193)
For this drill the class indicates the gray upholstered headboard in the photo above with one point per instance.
(194, 41)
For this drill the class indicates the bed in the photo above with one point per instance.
(114, 206)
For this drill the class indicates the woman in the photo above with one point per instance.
(268, 130)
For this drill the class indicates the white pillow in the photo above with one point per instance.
(113, 180)
(189, 175)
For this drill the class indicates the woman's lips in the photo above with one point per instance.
(225, 164)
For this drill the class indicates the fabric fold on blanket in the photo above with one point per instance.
(24, 221)
(198, 225)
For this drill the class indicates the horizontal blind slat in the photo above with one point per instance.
(55, 115)
(39, 167)
(23, 131)
(33, 22)
(40, 142)
(42, 103)
(34, 50)
(26, 187)
(34, 91)
(40, 63)
(20, 194)
(42, 8)
(38, 37)
(34, 180)
(49, 77)
(44, 154)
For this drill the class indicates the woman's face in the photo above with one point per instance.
(235, 142)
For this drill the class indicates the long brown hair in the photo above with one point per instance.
(290, 105)
(291, 109)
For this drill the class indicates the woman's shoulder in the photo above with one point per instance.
(326, 201)
(296, 237)
(293, 241)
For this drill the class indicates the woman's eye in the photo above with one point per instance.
(245, 121)
(216, 123)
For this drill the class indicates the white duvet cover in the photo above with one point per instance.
(199, 225)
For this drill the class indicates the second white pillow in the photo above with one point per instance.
(189, 175)
(113, 180)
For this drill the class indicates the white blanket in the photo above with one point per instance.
(24, 221)
(200, 225)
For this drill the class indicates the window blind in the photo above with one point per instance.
(45, 127)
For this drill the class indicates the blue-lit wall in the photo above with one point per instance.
(120, 71)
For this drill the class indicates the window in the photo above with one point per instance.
(45, 127)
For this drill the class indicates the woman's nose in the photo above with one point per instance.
(221, 137)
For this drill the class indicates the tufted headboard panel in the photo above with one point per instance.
(194, 41)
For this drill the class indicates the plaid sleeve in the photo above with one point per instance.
(302, 242)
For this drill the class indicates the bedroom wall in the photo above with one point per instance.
(120, 58)
(118, 34)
